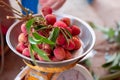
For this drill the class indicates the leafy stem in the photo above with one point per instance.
(34, 39)
(112, 35)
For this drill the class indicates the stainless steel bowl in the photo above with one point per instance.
(87, 36)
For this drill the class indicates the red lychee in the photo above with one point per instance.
(47, 48)
(46, 10)
(68, 55)
(59, 53)
(23, 28)
(77, 42)
(60, 24)
(60, 39)
(51, 19)
(69, 45)
(66, 20)
(75, 30)
(69, 29)
(20, 47)
(53, 58)
(26, 52)
(22, 37)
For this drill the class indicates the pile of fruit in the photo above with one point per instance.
(46, 38)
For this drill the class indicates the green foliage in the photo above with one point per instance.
(42, 39)
(112, 35)
(113, 62)
(29, 24)
(54, 34)
(34, 40)
(40, 52)
(38, 23)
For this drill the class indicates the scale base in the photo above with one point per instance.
(76, 73)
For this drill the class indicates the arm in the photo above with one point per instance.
(55, 4)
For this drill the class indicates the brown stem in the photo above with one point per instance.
(9, 6)
(19, 14)
(12, 17)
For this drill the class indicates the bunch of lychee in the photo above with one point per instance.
(66, 42)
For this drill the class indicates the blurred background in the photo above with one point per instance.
(101, 13)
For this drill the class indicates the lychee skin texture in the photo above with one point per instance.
(60, 39)
(77, 42)
(68, 55)
(75, 30)
(46, 10)
(51, 19)
(59, 53)
(23, 28)
(26, 52)
(20, 47)
(47, 48)
(69, 29)
(22, 37)
(70, 45)
(54, 59)
(60, 24)
(66, 21)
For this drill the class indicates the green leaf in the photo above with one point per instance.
(29, 24)
(41, 27)
(116, 61)
(95, 77)
(32, 56)
(117, 33)
(42, 39)
(92, 25)
(110, 33)
(114, 68)
(34, 41)
(54, 34)
(112, 58)
(113, 63)
(107, 64)
(87, 62)
(40, 52)
(110, 61)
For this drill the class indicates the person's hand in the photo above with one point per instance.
(54, 4)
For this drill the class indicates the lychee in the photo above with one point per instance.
(60, 39)
(23, 28)
(22, 37)
(60, 24)
(66, 20)
(68, 55)
(46, 10)
(59, 53)
(26, 52)
(76, 42)
(51, 19)
(20, 47)
(69, 45)
(75, 30)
